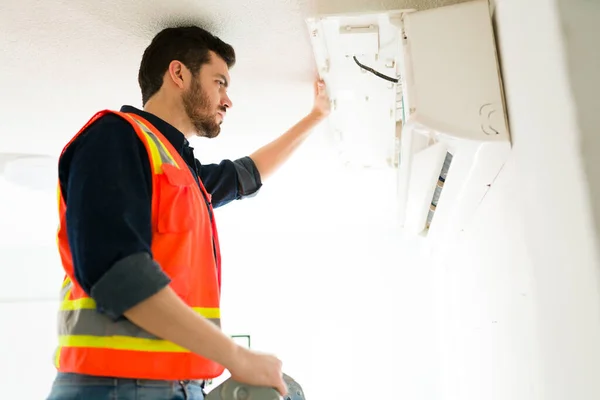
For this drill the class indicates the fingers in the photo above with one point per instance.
(282, 387)
(319, 86)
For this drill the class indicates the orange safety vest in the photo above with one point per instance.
(184, 243)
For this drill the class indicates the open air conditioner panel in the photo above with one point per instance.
(365, 107)
(421, 91)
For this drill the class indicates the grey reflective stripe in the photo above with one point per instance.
(87, 322)
(90, 322)
(164, 156)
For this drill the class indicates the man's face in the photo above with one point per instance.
(206, 101)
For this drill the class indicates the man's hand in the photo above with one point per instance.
(322, 105)
(258, 369)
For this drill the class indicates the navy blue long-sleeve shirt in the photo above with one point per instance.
(106, 181)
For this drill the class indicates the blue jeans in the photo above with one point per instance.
(85, 387)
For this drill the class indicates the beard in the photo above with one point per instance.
(197, 107)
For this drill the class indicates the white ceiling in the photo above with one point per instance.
(64, 60)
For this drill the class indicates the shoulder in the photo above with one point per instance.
(107, 130)
(110, 134)
(110, 137)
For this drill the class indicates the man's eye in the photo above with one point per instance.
(221, 83)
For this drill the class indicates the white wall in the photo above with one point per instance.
(328, 284)
(27, 342)
(31, 276)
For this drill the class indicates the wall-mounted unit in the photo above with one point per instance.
(358, 57)
(443, 124)
(455, 138)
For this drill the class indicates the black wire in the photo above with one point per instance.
(371, 70)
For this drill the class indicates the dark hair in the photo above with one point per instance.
(190, 45)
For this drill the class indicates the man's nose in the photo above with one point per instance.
(226, 102)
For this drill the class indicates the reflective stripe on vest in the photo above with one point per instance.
(88, 338)
(80, 325)
(159, 153)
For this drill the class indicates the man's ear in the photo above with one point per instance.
(176, 73)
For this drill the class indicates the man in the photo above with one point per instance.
(139, 316)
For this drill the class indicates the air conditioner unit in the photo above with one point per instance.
(445, 127)
(358, 57)
(455, 139)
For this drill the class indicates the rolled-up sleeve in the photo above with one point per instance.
(230, 180)
(106, 181)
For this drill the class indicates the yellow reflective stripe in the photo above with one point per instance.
(158, 155)
(66, 281)
(88, 303)
(206, 312)
(79, 304)
(164, 151)
(58, 197)
(121, 343)
(154, 154)
(57, 357)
